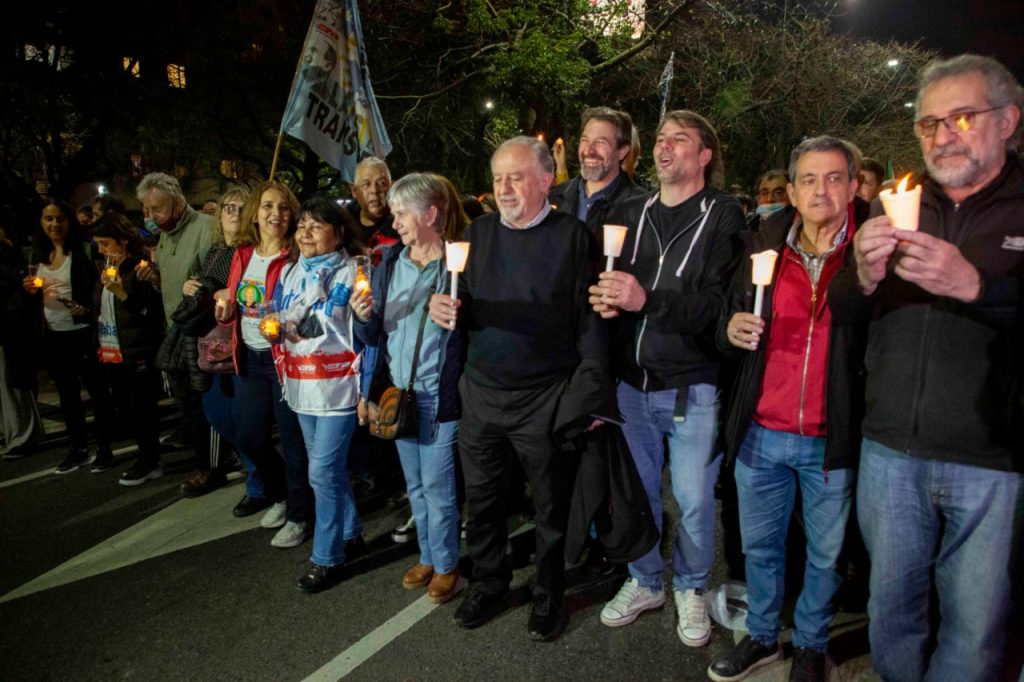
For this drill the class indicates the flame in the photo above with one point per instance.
(559, 141)
(902, 187)
(540, 136)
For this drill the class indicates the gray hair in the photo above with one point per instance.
(373, 162)
(421, 191)
(163, 183)
(540, 151)
(826, 143)
(1003, 88)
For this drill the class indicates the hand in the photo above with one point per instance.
(444, 310)
(558, 153)
(873, 245)
(114, 285)
(361, 411)
(744, 330)
(29, 284)
(222, 308)
(594, 424)
(936, 266)
(147, 273)
(621, 290)
(191, 287)
(291, 331)
(361, 302)
(76, 309)
(599, 303)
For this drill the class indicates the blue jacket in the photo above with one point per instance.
(373, 335)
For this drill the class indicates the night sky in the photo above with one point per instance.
(988, 27)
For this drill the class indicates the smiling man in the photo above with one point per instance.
(605, 141)
(668, 292)
(938, 493)
(793, 417)
(523, 302)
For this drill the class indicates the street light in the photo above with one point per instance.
(893, 63)
(488, 104)
(101, 190)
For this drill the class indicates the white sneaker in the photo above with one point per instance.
(291, 534)
(629, 603)
(275, 516)
(694, 627)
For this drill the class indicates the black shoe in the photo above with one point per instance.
(204, 482)
(75, 459)
(103, 462)
(179, 440)
(479, 607)
(355, 548)
(743, 659)
(597, 565)
(545, 622)
(318, 578)
(248, 506)
(140, 472)
(808, 666)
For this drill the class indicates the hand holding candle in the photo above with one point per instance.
(270, 327)
(764, 267)
(903, 206)
(456, 254)
(614, 236)
(362, 277)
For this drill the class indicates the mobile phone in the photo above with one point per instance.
(68, 303)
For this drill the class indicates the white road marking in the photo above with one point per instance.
(46, 472)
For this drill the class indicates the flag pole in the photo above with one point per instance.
(280, 128)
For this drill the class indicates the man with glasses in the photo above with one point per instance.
(943, 448)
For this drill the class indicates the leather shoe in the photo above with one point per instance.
(545, 622)
(443, 586)
(418, 576)
(248, 506)
(479, 607)
(318, 578)
(202, 482)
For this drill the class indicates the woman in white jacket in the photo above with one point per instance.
(320, 375)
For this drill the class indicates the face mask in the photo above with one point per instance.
(765, 210)
(151, 226)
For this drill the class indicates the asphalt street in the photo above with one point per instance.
(101, 582)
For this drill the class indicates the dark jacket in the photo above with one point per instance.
(372, 333)
(139, 318)
(19, 345)
(670, 342)
(944, 378)
(566, 196)
(845, 381)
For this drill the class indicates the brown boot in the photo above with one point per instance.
(417, 576)
(443, 586)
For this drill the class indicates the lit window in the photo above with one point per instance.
(176, 75)
(131, 65)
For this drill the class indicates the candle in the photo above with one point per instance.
(559, 142)
(111, 272)
(903, 206)
(614, 236)
(456, 254)
(143, 264)
(270, 327)
(761, 274)
(37, 282)
(362, 278)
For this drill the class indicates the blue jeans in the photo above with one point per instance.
(650, 421)
(770, 466)
(217, 407)
(337, 520)
(923, 517)
(428, 463)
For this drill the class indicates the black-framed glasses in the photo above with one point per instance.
(960, 122)
(232, 209)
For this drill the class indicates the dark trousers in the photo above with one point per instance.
(136, 388)
(193, 419)
(71, 362)
(257, 405)
(496, 426)
(217, 401)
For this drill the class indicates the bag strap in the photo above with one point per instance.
(419, 336)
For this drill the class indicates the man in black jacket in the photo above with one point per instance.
(668, 293)
(605, 140)
(793, 416)
(939, 485)
(533, 341)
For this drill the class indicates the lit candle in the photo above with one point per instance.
(456, 254)
(614, 236)
(143, 264)
(362, 278)
(37, 282)
(270, 327)
(903, 206)
(111, 272)
(764, 266)
(559, 141)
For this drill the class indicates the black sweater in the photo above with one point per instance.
(524, 303)
(945, 378)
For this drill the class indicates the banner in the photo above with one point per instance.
(331, 106)
(665, 82)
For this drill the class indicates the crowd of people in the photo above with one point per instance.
(875, 374)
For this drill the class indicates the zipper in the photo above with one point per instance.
(807, 357)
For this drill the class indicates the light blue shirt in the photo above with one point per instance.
(407, 294)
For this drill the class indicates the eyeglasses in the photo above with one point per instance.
(960, 122)
(315, 228)
(232, 209)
